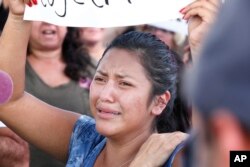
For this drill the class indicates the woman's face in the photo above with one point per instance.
(46, 36)
(92, 35)
(119, 96)
(166, 36)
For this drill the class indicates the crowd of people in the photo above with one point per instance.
(79, 100)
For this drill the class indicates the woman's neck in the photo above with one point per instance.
(122, 153)
(49, 66)
(46, 56)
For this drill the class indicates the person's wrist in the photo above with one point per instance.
(17, 21)
(16, 17)
(195, 50)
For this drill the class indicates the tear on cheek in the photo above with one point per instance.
(6, 87)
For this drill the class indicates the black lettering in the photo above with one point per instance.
(51, 3)
(43, 3)
(96, 4)
(107, 2)
(64, 13)
(80, 3)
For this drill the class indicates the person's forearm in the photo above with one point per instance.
(13, 46)
(47, 127)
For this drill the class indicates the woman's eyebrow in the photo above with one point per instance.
(118, 75)
(102, 72)
(124, 76)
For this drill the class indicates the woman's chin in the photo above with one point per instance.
(104, 130)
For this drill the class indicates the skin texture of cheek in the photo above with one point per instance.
(6, 87)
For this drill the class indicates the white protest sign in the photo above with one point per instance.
(104, 13)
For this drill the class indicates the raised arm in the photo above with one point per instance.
(200, 15)
(47, 127)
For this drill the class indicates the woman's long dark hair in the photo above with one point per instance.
(78, 61)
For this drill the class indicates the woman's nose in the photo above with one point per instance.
(107, 93)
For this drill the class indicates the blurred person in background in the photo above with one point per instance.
(57, 67)
(172, 32)
(223, 104)
(112, 33)
(93, 42)
(58, 71)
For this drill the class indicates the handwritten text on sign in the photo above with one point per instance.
(104, 13)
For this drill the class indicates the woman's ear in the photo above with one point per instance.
(160, 102)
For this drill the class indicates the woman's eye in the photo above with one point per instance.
(125, 84)
(99, 79)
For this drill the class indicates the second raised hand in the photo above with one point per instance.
(200, 15)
